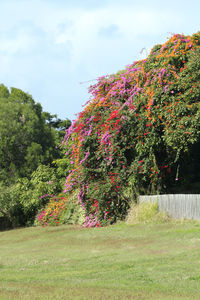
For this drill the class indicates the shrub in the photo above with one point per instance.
(36, 192)
(20, 202)
(50, 214)
(61, 210)
(11, 210)
(146, 212)
(73, 213)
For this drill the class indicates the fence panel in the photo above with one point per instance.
(177, 205)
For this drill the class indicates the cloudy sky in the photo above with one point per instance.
(53, 49)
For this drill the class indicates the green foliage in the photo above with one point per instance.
(29, 143)
(36, 193)
(28, 136)
(73, 213)
(61, 210)
(22, 131)
(20, 202)
(146, 212)
(11, 210)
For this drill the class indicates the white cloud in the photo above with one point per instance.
(47, 47)
(80, 28)
(22, 42)
(132, 23)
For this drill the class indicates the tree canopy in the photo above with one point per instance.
(29, 146)
(27, 135)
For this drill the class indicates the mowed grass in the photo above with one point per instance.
(160, 261)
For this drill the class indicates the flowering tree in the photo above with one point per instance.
(140, 131)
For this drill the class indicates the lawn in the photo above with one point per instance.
(157, 261)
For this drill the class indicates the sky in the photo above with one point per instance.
(54, 49)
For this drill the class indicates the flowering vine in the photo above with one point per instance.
(135, 130)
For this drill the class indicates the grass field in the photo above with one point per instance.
(160, 261)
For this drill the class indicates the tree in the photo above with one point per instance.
(29, 141)
(27, 138)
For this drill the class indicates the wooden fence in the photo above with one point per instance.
(177, 205)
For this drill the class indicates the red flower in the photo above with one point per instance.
(113, 115)
(79, 127)
(116, 123)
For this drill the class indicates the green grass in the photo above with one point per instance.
(152, 261)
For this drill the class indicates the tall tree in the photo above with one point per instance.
(27, 137)
(28, 148)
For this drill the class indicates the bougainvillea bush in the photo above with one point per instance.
(61, 210)
(139, 132)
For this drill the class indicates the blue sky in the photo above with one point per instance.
(53, 49)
